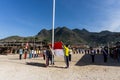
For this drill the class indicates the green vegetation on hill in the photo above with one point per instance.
(74, 36)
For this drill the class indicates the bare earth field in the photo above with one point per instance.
(81, 68)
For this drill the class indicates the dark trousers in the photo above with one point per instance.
(69, 57)
(93, 58)
(47, 60)
(43, 56)
(67, 61)
(20, 56)
(52, 59)
(105, 58)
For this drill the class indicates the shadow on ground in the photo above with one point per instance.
(86, 60)
(36, 64)
(58, 67)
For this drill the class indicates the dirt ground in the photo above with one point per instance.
(81, 68)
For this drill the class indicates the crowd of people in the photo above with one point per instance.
(32, 53)
(48, 54)
(106, 52)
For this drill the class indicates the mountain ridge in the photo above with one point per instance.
(71, 36)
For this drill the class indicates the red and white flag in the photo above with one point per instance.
(58, 49)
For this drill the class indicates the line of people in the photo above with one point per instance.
(104, 51)
(115, 54)
(47, 53)
(28, 53)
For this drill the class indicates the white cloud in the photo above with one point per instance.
(114, 21)
(113, 16)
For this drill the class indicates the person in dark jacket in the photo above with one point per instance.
(48, 56)
(92, 53)
(105, 53)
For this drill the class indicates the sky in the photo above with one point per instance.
(28, 17)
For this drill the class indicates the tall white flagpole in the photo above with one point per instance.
(53, 25)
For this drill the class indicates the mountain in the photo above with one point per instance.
(12, 39)
(71, 36)
(17, 39)
(76, 36)
(61, 34)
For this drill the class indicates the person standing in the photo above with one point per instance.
(35, 53)
(52, 55)
(30, 52)
(20, 53)
(70, 55)
(92, 54)
(48, 56)
(25, 54)
(44, 53)
(105, 53)
(118, 53)
(66, 54)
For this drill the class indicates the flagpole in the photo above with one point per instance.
(53, 25)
